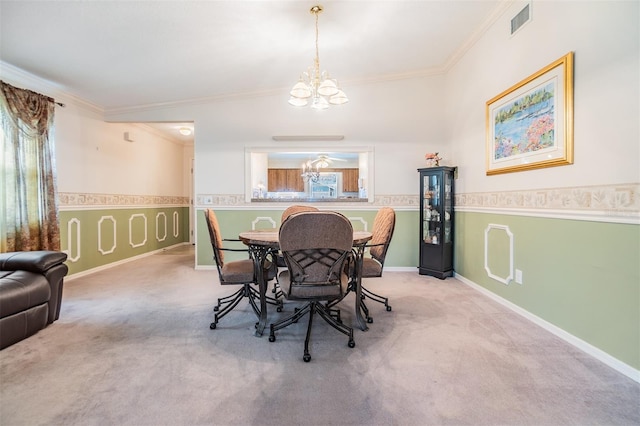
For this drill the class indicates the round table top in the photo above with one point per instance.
(269, 237)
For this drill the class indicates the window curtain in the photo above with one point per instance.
(28, 198)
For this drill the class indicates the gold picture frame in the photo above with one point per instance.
(530, 125)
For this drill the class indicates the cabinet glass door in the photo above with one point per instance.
(431, 208)
(448, 207)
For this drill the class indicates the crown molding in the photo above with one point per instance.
(19, 77)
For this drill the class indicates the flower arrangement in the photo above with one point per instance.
(432, 158)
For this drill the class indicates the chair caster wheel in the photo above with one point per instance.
(279, 309)
(388, 308)
(216, 308)
(212, 326)
(352, 343)
(369, 320)
(272, 338)
(306, 358)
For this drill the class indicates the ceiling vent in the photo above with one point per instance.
(521, 18)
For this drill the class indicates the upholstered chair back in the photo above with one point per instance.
(216, 238)
(296, 209)
(315, 246)
(383, 227)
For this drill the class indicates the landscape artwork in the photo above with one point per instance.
(530, 125)
(526, 124)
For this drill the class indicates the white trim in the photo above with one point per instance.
(113, 248)
(262, 219)
(130, 229)
(70, 222)
(69, 207)
(165, 226)
(597, 353)
(631, 218)
(359, 219)
(176, 224)
(486, 253)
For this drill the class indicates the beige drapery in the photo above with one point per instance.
(28, 197)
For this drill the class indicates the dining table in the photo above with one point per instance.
(264, 242)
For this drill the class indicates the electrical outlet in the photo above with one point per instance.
(518, 276)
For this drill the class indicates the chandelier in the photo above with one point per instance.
(315, 85)
(308, 174)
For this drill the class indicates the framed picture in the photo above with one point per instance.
(530, 125)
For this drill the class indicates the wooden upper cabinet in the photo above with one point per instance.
(285, 180)
(290, 180)
(350, 180)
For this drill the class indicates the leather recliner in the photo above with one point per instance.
(30, 292)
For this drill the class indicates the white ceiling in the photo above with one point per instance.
(119, 55)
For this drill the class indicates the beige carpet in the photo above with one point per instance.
(133, 347)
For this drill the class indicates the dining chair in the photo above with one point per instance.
(372, 264)
(237, 272)
(315, 247)
(296, 208)
(383, 226)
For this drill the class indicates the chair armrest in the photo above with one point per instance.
(32, 261)
(374, 245)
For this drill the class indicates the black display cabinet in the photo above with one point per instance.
(436, 221)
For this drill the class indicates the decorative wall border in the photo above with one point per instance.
(624, 197)
(237, 201)
(616, 203)
(604, 203)
(77, 200)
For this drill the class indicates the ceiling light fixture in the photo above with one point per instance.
(185, 131)
(314, 85)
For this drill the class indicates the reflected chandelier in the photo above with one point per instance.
(314, 85)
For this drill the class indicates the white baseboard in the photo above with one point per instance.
(120, 262)
(598, 354)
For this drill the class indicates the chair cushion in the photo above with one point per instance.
(241, 271)
(238, 272)
(371, 268)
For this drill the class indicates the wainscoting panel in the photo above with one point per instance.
(93, 238)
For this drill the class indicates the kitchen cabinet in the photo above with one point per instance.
(285, 180)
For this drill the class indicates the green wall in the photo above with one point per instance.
(581, 276)
(403, 251)
(129, 225)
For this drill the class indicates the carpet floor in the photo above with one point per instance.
(133, 347)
